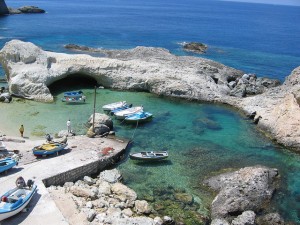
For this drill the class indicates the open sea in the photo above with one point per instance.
(202, 139)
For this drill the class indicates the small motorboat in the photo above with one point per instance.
(113, 106)
(49, 148)
(7, 163)
(149, 156)
(16, 199)
(74, 97)
(127, 112)
(112, 112)
(139, 117)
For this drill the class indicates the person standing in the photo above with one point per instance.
(21, 130)
(69, 126)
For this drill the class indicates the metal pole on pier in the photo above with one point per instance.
(94, 109)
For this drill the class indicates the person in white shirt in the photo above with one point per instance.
(69, 126)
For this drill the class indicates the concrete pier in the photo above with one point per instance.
(83, 157)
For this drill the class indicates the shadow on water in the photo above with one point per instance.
(152, 164)
(72, 83)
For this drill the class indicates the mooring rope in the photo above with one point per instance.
(137, 123)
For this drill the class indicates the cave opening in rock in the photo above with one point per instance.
(72, 82)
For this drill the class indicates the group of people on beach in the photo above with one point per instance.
(21, 129)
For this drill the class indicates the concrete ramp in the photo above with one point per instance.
(84, 156)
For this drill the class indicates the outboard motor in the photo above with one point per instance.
(48, 137)
(30, 183)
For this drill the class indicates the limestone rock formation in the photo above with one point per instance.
(249, 188)
(277, 111)
(25, 9)
(195, 47)
(30, 71)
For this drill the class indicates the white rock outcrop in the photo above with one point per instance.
(30, 71)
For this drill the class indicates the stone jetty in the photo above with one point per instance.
(273, 107)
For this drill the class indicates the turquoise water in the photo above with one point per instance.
(201, 139)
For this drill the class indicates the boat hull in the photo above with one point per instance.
(149, 156)
(113, 106)
(139, 117)
(7, 164)
(73, 97)
(9, 212)
(41, 152)
(127, 112)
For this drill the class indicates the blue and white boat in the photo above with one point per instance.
(48, 148)
(74, 97)
(15, 200)
(115, 105)
(112, 112)
(139, 117)
(127, 112)
(7, 163)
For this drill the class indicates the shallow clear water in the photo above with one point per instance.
(201, 139)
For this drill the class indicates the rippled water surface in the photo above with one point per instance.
(202, 139)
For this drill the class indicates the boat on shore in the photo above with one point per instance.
(16, 199)
(127, 112)
(139, 117)
(149, 155)
(49, 148)
(7, 163)
(74, 97)
(115, 105)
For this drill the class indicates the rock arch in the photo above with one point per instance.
(74, 82)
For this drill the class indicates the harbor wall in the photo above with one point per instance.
(85, 170)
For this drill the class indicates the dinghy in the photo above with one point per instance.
(74, 97)
(113, 106)
(16, 199)
(127, 112)
(139, 117)
(149, 156)
(48, 148)
(7, 163)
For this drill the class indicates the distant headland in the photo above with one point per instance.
(4, 10)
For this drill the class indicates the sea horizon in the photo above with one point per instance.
(254, 38)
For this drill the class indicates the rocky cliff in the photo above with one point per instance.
(275, 109)
(3, 8)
